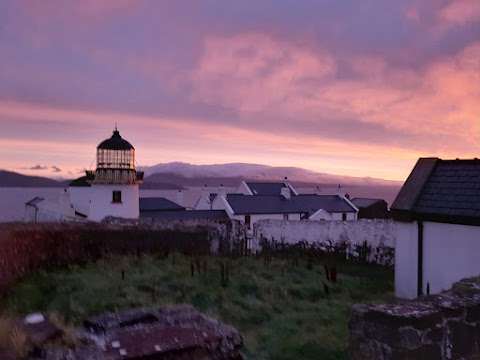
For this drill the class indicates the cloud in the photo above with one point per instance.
(35, 167)
(412, 14)
(459, 13)
(55, 169)
(298, 90)
(191, 81)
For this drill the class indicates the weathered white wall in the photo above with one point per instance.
(350, 216)
(203, 203)
(80, 198)
(406, 263)
(377, 233)
(451, 253)
(101, 202)
(243, 189)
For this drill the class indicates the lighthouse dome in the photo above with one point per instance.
(116, 142)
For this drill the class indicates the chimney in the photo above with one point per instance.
(340, 192)
(205, 190)
(222, 191)
(180, 197)
(285, 192)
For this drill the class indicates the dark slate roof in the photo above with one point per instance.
(116, 142)
(365, 202)
(80, 182)
(158, 204)
(268, 204)
(448, 192)
(267, 188)
(187, 214)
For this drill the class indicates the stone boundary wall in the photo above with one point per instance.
(224, 235)
(27, 247)
(445, 326)
(378, 234)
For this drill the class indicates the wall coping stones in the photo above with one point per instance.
(442, 326)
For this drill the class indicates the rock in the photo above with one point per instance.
(177, 332)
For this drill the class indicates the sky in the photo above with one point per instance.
(360, 88)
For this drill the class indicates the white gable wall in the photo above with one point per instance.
(406, 260)
(244, 189)
(203, 203)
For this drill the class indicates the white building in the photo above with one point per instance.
(437, 215)
(114, 183)
(254, 201)
(39, 209)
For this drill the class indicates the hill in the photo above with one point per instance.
(13, 179)
(178, 175)
(230, 175)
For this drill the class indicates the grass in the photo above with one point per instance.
(282, 311)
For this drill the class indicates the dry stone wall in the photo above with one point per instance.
(445, 326)
(377, 235)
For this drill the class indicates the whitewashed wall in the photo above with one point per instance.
(101, 202)
(451, 253)
(378, 233)
(350, 216)
(406, 263)
(80, 198)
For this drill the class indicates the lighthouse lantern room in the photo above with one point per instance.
(114, 183)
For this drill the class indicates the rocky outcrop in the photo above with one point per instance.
(445, 326)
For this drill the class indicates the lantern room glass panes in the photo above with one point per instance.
(115, 159)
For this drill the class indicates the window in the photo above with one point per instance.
(285, 216)
(247, 221)
(344, 216)
(116, 197)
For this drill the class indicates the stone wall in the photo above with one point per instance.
(445, 326)
(225, 235)
(26, 247)
(378, 235)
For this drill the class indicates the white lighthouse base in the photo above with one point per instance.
(103, 202)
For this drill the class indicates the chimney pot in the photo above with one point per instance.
(285, 192)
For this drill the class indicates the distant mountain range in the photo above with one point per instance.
(255, 172)
(230, 175)
(13, 179)
(178, 175)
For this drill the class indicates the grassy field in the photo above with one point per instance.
(282, 310)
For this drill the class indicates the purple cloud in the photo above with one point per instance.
(391, 74)
(35, 167)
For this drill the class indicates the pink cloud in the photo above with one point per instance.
(252, 72)
(412, 14)
(459, 13)
(258, 74)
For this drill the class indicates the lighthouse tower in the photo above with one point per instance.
(114, 184)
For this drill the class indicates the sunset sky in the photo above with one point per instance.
(351, 87)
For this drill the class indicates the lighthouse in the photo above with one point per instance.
(114, 183)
